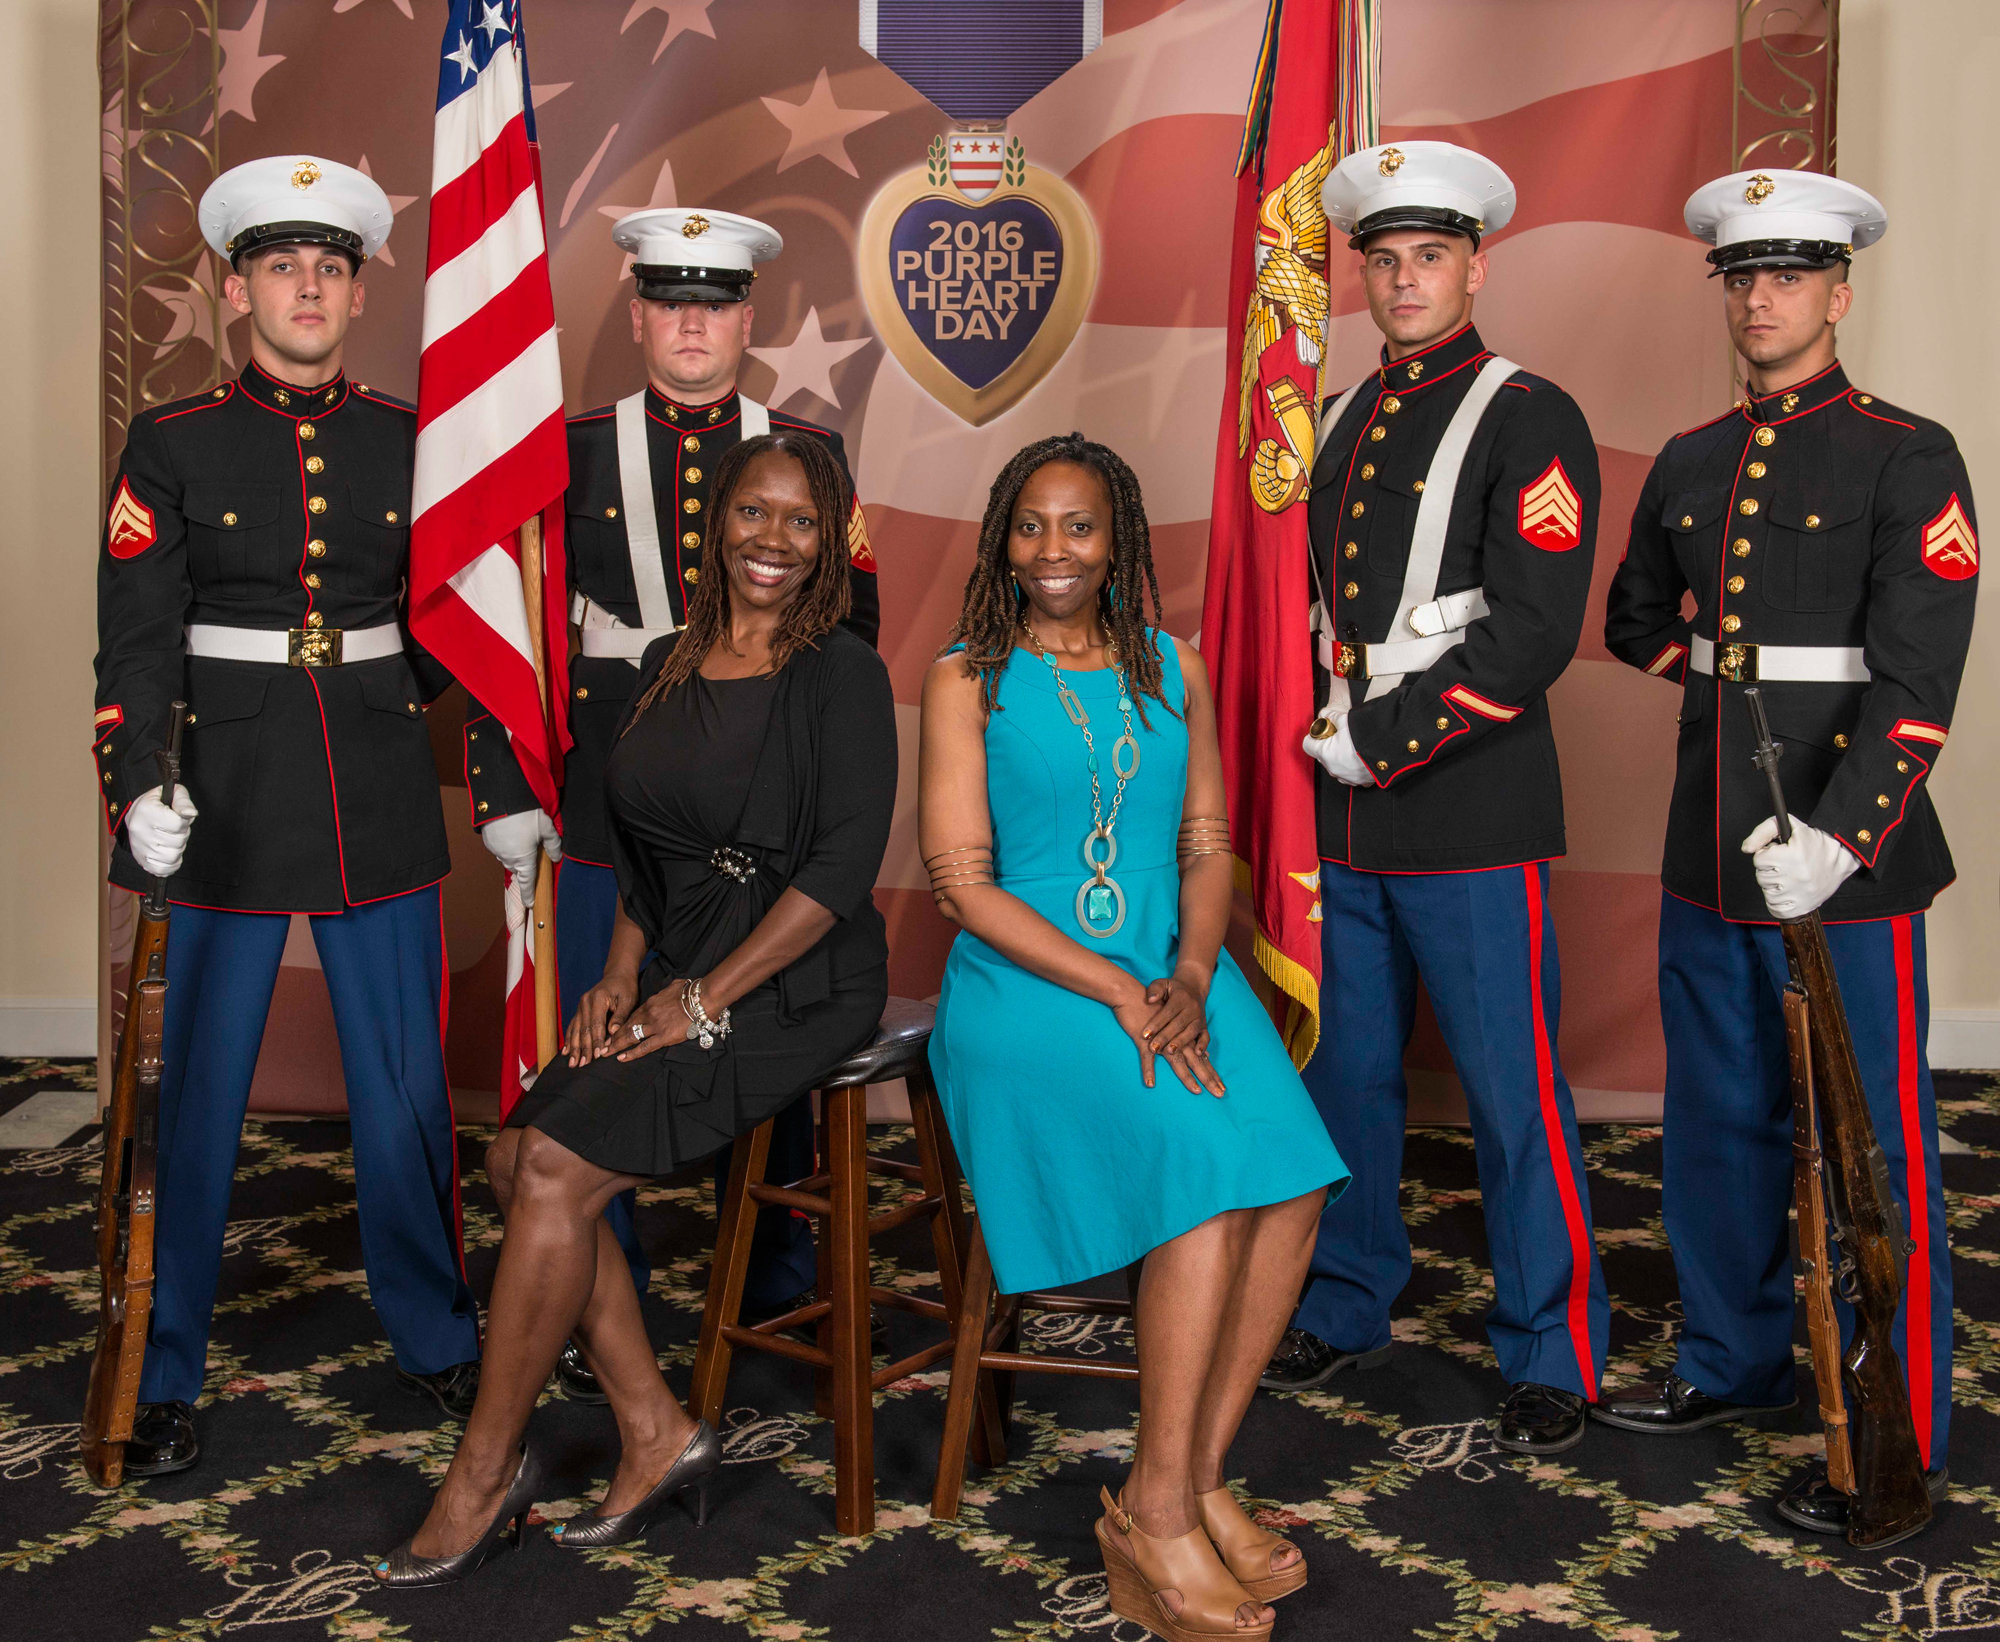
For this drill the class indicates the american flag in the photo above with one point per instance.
(490, 449)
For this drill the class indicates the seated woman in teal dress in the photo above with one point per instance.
(1115, 1090)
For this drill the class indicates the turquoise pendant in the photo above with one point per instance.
(1098, 906)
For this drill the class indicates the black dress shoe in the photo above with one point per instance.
(1820, 1508)
(808, 1333)
(1540, 1419)
(1304, 1360)
(162, 1440)
(1672, 1404)
(453, 1389)
(574, 1378)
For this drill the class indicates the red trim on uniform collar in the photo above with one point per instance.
(1441, 358)
(659, 404)
(298, 403)
(1800, 399)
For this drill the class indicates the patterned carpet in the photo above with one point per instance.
(1415, 1523)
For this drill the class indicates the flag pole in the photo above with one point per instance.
(548, 1022)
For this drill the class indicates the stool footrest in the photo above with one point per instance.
(898, 1171)
(1081, 1304)
(911, 1365)
(778, 1344)
(787, 1197)
(1029, 1362)
(889, 1219)
(896, 1300)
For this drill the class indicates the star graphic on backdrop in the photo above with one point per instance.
(243, 65)
(396, 204)
(403, 6)
(807, 361)
(683, 17)
(819, 127)
(194, 314)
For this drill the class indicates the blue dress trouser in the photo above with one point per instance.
(1728, 1149)
(781, 1251)
(1481, 943)
(385, 972)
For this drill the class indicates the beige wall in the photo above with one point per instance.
(1920, 126)
(49, 502)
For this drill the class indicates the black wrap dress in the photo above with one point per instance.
(722, 795)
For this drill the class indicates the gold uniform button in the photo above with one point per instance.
(691, 505)
(691, 538)
(1349, 551)
(1747, 506)
(1740, 547)
(692, 475)
(582, 693)
(312, 579)
(1381, 763)
(1902, 766)
(222, 393)
(410, 706)
(1687, 521)
(307, 430)
(1444, 724)
(1358, 509)
(190, 718)
(611, 513)
(315, 464)
(1864, 399)
(1865, 836)
(1367, 470)
(482, 806)
(1413, 746)
(1731, 623)
(316, 504)
(691, 442)
(1378, 433)
(391, 516)
(316, 548)
(471, 735)
(691, 575)
(1767, 436)
(315, 619)
(282, 397)
(229, 518)
(1735, 584)
(1418, 487)
(1881, 801)
(107, 774)
(475, 769)
(1756, 470)
(1812, 521)
(1391, 405)
(1840, 741)
(1351, 591)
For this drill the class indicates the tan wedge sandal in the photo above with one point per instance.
(1247, 1549)
(1209, 1593)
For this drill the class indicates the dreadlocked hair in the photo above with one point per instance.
(820, 604)
(994, 604)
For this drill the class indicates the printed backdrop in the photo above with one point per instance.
(1606, 112)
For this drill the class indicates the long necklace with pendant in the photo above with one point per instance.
(1100, 902)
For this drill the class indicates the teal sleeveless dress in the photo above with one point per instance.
(1076, 1166)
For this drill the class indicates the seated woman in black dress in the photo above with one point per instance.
(750, 794)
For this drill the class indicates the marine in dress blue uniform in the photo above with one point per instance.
(1452, 516)
(623, 595)
(1829, 543)
(253, 564)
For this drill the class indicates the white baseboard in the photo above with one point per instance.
(1965, 1039)
(48, 1026)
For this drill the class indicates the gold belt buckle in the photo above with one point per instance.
(312, 646)
(1737, 663)
(1346, 660)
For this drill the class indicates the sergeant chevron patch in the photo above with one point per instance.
(859, 550)
(1950, 546)
(131, 524)
(1551, 511)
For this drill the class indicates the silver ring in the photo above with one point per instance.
(638, 1032)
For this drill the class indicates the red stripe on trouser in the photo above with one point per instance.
(1572, 1207)
(1917, 1296)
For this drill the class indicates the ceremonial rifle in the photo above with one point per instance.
(1886, 1481)
(125, 1186)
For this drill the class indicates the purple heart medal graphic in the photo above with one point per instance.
(977, 267)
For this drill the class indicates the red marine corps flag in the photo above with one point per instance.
(486, 585)
(1312, 102)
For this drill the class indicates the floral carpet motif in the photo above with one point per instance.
(1416, 1524)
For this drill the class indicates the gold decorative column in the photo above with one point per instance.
(1784, 65)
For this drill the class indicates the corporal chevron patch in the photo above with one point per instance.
(131, 527)
(1951, 547)
(1551, 511)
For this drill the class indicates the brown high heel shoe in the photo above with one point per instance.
(1247, 1549)
(1209, 1593)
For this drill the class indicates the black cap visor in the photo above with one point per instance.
(661, 283)
(1779, 253)
(267, 234)
(1416, 216)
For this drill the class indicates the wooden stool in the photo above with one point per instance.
(985, 1358)
(845, 1378)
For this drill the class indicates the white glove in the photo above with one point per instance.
(1338, 753)
(1799, 877)
(159, 835)
(517, 842)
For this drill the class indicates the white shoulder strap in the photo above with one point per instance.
(756, 418)
(642, 524)
(1420, 571)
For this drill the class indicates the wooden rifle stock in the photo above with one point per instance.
(1890, 1500)
(1809, 1193)
(125, 1207)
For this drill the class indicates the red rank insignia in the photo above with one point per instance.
(131, 529)
(1950, 546)
(859, 550)
(1552, 512)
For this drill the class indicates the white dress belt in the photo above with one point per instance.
(605, 636)
(1442, 623)
(220, 643)
(1782, 663)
